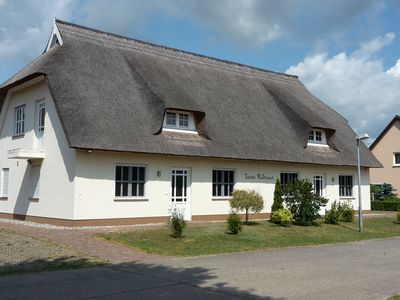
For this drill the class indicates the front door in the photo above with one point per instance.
(180, 192)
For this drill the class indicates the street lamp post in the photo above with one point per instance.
(360, 221)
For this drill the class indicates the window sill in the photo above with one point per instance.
(396, 166)
(4, 198)
(221, 198)
(132, 199)
(19, 136)
(34, 199)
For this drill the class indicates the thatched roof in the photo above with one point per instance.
(111, 93)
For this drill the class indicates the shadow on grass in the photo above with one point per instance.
(42, 265)
(127, 281)
(251, 223)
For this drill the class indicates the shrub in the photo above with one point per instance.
(398, 217)
(282, 217)
(303, 203)
(332, 216)
(234, 223)
(249, 201)
(383, 191)
(176, 223)
(385, 205)
(346, 212)
(278, 197)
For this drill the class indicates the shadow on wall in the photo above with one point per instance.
(124, 281)
(24, 193)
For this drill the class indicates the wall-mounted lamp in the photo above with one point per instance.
(89, 151)
(333, 179)
(158, 173)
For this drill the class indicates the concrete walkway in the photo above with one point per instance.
(362, 270)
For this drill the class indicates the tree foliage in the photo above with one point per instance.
(302, 202)
(383, 191)
(278, 197)
(248, 201)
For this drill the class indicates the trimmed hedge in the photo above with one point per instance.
(385, 205)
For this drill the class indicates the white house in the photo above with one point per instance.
(103, 129)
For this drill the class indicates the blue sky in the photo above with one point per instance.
(347, 52)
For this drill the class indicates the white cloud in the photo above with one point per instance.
(356, 85)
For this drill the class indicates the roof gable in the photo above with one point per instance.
(384, 131)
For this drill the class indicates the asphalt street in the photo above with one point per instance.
(361, 270)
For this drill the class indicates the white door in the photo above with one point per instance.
(180, 192)
(319, 188)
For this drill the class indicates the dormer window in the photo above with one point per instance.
(317, 137)
(179, 121)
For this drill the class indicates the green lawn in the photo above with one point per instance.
(211, 238)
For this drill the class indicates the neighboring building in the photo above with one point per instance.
(103, 129)
(386, 149)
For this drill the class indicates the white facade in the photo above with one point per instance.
(80, 185)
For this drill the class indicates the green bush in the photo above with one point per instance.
(249, 201)
(282, 217)
(303, 203)
(385, 205)
(332, 216)
(398, 217)
(383, 191)
(234, 223)
(278, 197)
(346, 212)
(176, 223)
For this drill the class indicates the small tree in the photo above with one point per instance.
(249, 201)
(176, 223)
(278, 197)
(383, 191)
(303, 203)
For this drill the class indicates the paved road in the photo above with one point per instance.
(363, 270)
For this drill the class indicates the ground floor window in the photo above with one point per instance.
(318, 183)
(288, 178)
(4, 182)
(223, 182)
(345, 185)
(129, 181)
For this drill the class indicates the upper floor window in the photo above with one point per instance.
(179, 120)
(317, 137)
(19, 119)
(396, 159)
(41, 116)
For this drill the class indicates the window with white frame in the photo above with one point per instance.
(19, 119)
(41, 116)
(317, 137)
(179, 120)
(345, 185)
(223, 182)
(288, 178)
(5, 176)
(318, 185)
(396, 159)
(130, 181)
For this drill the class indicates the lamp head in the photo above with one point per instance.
(365, 136)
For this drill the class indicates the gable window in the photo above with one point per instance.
(345, 186)
(41, 116)
(19, 117)
(4, 182)
(397, 159)
(288, 178)
(179, 121)
(222, 183)
(129, 181)
(317, 137)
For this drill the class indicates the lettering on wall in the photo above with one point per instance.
(257, 176)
